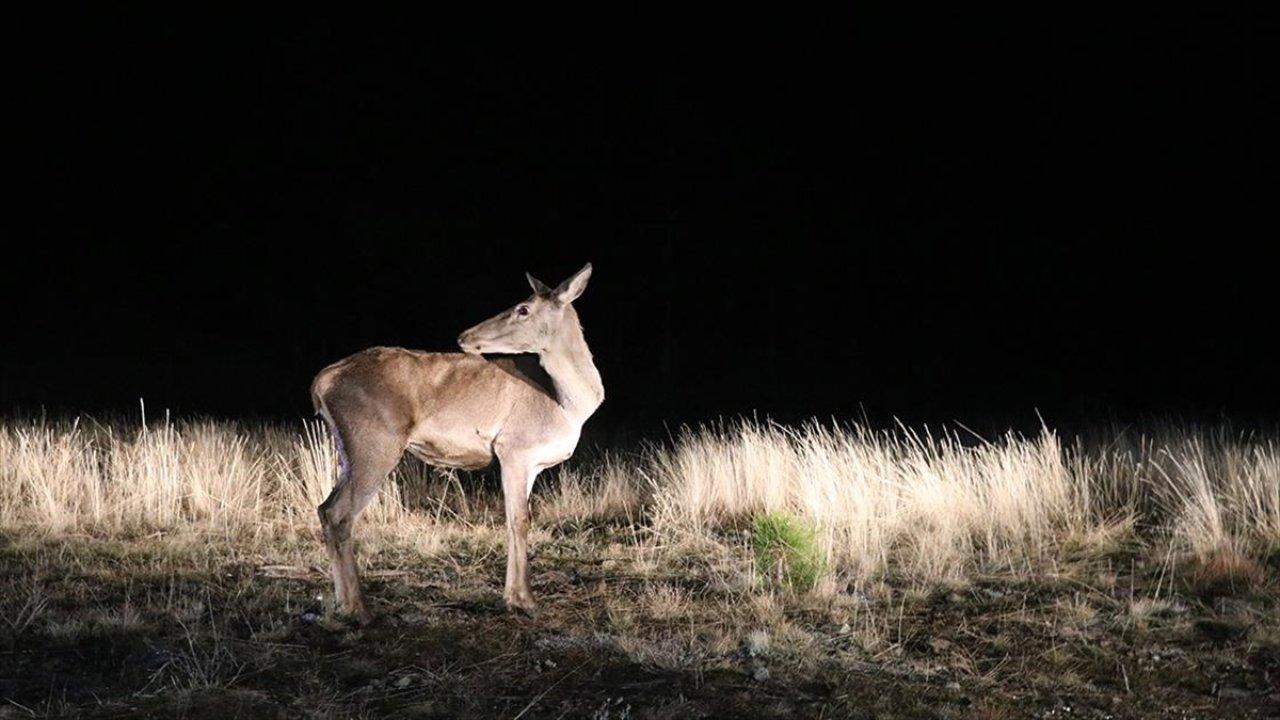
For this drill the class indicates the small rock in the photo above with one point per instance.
(310, 618)
(845, 629)
(404, 681)
(760, 674)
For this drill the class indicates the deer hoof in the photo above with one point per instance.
(522, 604)
(359, 615)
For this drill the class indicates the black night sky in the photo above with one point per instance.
(973, 221)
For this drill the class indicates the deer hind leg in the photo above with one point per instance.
(517, 479)
(364, 464)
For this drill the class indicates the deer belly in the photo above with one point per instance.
(468, 454)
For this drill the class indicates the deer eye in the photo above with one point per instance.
(522, 310)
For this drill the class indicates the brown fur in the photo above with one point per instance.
(428, 398)
(463, 411)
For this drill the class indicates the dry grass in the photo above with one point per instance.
(929, 508)
(153, 570)
(1225, 572)
(936, 508)
(204, 477)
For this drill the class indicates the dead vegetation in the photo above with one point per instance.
(173, 569)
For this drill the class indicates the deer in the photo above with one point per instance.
(492, 401)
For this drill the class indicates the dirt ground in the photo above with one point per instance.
(165, 627)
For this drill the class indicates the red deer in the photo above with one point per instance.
(460, 410)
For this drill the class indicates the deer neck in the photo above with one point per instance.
(579, 389)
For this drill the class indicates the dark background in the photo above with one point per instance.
(965, 218)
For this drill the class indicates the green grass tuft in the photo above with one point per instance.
(787, 552)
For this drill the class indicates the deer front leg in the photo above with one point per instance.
(517, 478)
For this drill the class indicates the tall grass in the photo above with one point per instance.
(204, 476)
(909, 503)
(933, 507)
(927, 505)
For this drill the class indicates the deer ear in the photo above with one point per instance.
(537, 285)
(570, 289)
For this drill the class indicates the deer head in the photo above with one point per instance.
(533, 325)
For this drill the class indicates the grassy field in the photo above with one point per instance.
(174, 569)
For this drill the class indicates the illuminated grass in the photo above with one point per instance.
(915, 505)
(177, 566)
